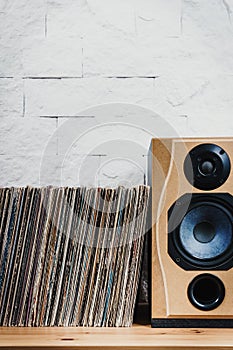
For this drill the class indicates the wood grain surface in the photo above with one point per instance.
(137, 337)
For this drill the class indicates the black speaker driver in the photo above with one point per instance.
(201, 235)
(206, 231)
(206, 292)
(207, 166)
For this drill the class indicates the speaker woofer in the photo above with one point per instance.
(206, 292)
(206, 231)
(207, 166)
(201, 232)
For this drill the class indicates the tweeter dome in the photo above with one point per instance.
(207, 166)
(192, 232)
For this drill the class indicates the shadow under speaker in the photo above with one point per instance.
(192, 232)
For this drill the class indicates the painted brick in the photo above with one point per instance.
(70, 135)
(99, 137)
(69, 19)
(207, 18)
(68, 97)
(26, 136)
(125, 163)
(209, 110)
(209, 25)
(100, 127)
(158, 19)
(120, 172)
(22, 20)
(126, 57)
(22, 23)
(80, 170)
(27, 170)
(10, 58)
(53, 58)
(11, 98)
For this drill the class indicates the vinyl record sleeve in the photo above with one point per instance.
(70, 256)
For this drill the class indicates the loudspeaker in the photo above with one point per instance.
(192, 232)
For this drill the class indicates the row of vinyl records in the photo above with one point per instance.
(70, 256)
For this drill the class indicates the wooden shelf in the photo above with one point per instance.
(137, 337)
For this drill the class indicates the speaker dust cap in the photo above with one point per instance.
(207, 166)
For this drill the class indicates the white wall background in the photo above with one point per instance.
(77, 78)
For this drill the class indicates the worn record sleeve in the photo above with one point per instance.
(135, 257)
(115, 247)
(47, 234)
(6, 254)
(73, 256)
(95, 219)
(121, 241)
(79, 239)
(129, 229)
(37, 232)
(30, 257)
(80, 271)
(39, 256)
(85, 267)
(91, 299)
(23, 252)
(55, 247)
(110, 193)
(87, 300)
(3, 202)
(3, 218)
(5, 241)
(12, 233)
(11, 275)
(123, 257)
(66, 260)
(142, 211)
(105, 193)
(54, 275)
(120, 244)
(17, 253)
(109, 256)
(67, 276)
(49, 254)
(26, 259)
(51, 259)
(136, 252)
(133, 251)
(59, 256)
(42, 262)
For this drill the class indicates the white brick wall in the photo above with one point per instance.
(81, 82)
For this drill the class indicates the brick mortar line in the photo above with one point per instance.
(83, 77)
(65, 116)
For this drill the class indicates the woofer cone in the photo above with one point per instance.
(205, 232)
(206, 292)
(200, 236)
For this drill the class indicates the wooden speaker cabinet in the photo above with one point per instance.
(192, 232)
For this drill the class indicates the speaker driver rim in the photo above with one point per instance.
(213, 154)
(175, 249)
(225, 240)
(214, 286)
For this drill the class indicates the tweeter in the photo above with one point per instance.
(207, 166)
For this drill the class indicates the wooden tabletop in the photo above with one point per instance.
(137, 337)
